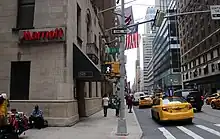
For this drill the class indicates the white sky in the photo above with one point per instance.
(139, 8)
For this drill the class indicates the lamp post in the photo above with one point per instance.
(122, 126)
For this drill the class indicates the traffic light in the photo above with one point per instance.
(107, 69)
(159, 18)
(111, 68)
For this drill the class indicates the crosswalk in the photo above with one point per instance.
(190, 133)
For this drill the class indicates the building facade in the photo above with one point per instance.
(149, 81)
(51, 52)
(166, 54)
(162, 4)
(200, 49)
(148, 37)
(137, 71)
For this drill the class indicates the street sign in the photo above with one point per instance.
(215, 12)
(112, 50)
(119, 31)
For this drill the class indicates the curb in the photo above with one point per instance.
(141, 132)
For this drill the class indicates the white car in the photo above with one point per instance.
(137, 96)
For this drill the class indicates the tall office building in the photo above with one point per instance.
(200, 46)
(162, 4)
(138, 69)
(166, 54)
(149, 34)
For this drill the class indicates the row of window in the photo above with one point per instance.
(202, 59)
(198, 72)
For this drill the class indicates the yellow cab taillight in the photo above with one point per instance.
(190, 106)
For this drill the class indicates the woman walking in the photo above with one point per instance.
(105, 103)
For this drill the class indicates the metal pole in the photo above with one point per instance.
(122, 126)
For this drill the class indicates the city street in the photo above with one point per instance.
(206, 125)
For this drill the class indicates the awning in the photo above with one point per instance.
(83, 68)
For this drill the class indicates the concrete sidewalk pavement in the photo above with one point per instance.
(94, 127)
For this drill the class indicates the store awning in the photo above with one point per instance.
(83, 68)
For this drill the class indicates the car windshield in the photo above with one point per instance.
(173, 100)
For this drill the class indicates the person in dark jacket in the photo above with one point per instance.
(117, 103)
(36, 119)
(130, 100)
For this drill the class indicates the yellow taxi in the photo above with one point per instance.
(211, 97)
(172, 109)
(215, 103)
(145, 101)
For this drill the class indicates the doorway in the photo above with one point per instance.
(20, 80)
(80, 98)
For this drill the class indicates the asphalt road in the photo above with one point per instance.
(206, 125)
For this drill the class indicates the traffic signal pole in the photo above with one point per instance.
(122, 125)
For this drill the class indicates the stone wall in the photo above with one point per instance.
(57, 112)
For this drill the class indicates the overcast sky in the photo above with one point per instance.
(139, 10)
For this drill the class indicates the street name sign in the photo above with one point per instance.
(215, 12)
(113, 50)
(119, 31)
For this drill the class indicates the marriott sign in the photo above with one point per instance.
(42, 35)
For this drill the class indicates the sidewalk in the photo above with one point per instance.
(94, 127)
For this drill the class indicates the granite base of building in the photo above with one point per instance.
(58, 112)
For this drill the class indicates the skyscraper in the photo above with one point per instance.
(149, 34)
(162, 4)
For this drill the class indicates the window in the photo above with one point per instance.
(212, 55)
(213, 67)
(206, 70)
(97, 92)
(25, 18)
(200, 71)
(78, 21)
(90, 89)
(173, 100)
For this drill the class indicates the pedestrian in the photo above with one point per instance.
(130, 101)
(105, 103)
(117, 103)
(126, 98)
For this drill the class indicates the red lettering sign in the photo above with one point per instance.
(55, 34)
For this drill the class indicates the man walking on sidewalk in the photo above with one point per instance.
(117, 103)
(105, 103)
(130, 99)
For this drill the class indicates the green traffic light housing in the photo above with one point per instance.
(159, 18)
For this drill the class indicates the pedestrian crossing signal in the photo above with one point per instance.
(106, 69)
(111, 68)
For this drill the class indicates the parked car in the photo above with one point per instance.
(172, 109)
(211, 97)
(193, 96)
(215, 103)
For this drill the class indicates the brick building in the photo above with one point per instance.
(50, 55)
(200, 49)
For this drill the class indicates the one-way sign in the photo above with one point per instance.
(215, 12)
(119, 31)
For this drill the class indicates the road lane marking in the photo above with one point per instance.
(166, 133)
(189, 132)
(217, 125)
(209, 130)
